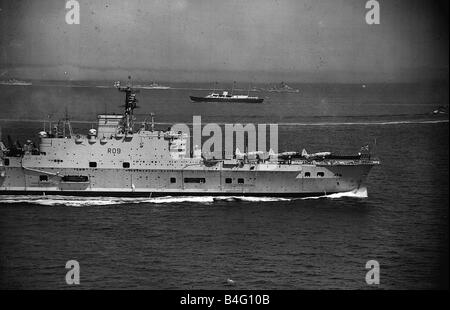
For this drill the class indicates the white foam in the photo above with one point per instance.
(357, 193)
(74, 201)
(251, 199)
(169, 199)
(54, 200)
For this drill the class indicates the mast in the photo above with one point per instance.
(130, 104)
(69, 126)
(153, 121)
(106, 113)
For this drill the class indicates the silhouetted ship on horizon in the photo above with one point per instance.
(226, 97)
(15, 82)
(152, 85)
(282, 88)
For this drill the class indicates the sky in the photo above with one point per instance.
(218, 40)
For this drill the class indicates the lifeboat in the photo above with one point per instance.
(78, 139)
(129, 136)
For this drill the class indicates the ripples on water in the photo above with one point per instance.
(200, 242)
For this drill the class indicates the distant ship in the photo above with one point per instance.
(152, 85)
(440, 110)
(15, 82)
(225, 97)
(283, 88)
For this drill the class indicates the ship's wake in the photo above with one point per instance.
(74, 201)
(357, 193)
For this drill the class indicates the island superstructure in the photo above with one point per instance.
(117, 160)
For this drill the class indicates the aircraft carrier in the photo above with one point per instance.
(118, 160)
